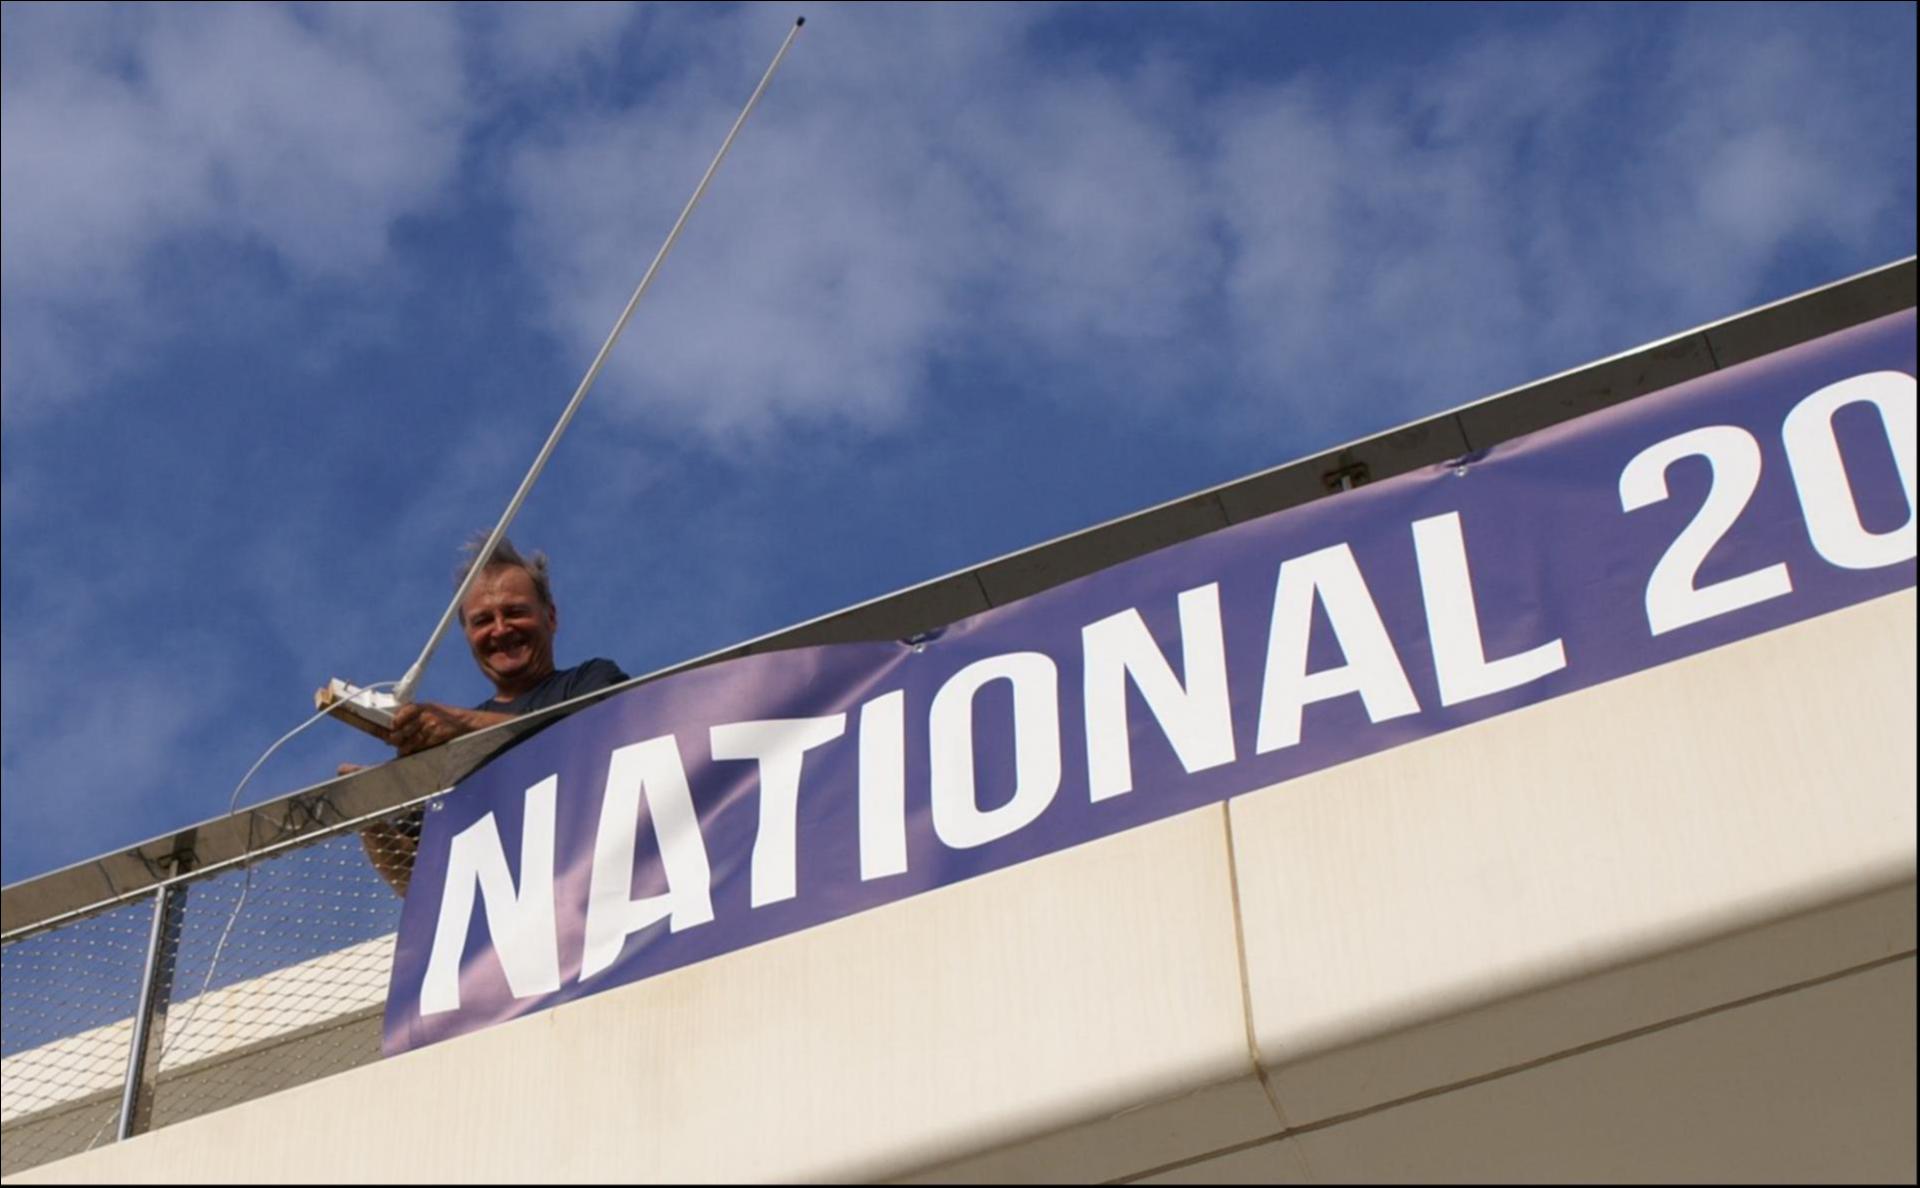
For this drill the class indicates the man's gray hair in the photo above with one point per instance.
(505, 554)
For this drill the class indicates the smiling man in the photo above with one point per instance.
(510, 620)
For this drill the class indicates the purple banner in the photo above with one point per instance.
(728, 805)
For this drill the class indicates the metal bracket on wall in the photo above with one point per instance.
(1347, 477)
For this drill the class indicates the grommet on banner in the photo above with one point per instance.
(919, 640)
(1465, 462)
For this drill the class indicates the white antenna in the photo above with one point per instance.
(403, 692)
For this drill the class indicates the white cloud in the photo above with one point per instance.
(909, 188)
(773, 279)
(923, 181)
(548, 40)
(1347, 252)
(1102, 234)
(1537, 200)
(1378, 231)
(1775, 129)
(304, 132)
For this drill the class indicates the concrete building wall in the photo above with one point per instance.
(1660, 927)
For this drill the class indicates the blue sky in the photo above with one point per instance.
(293, 295)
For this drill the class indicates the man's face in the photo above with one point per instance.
(509, 630)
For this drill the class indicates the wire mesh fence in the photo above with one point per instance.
(66, 1021)
(269, 974)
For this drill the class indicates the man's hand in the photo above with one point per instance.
(422, 724)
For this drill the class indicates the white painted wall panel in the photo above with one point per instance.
(1814, 1085)
(1718, 795)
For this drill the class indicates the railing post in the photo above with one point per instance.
(156, 992)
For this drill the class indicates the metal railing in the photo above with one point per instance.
(209, 989)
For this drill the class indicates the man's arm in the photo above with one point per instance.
(426, 724)
(423, 724)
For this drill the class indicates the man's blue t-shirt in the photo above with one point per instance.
(563, 684)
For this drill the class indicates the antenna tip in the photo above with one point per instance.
(799, 21)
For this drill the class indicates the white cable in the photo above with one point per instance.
(213, 963)
(235, 798)
(403, 692)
